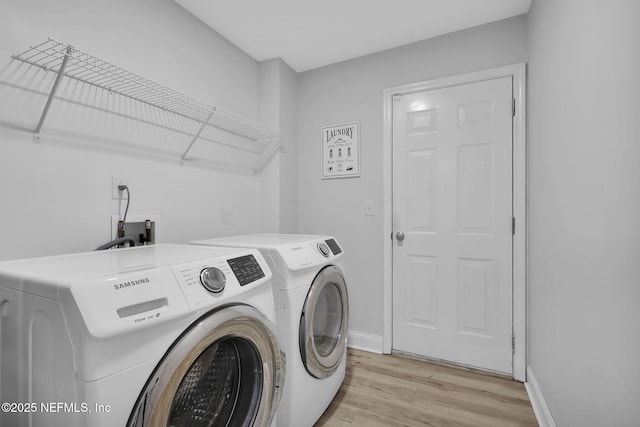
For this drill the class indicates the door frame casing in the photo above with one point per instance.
(518, 73)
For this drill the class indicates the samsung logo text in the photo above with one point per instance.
(130, 283)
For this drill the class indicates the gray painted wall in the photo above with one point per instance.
(584, 209)
(351, 91)
(57, 194)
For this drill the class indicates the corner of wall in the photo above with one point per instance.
(540, 407)
(289, 158)
(279, 108)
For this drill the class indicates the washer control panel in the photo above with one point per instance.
(323, 249)
(161, 286)
(204, 283)
(333, 245)
(246, 269)
(213, 279)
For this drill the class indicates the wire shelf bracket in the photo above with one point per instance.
(195, 138)
(70, 62)
(54, 89)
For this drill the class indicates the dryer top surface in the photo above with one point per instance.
(267, 240)
(297, 251)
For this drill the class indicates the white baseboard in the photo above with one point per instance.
(540, 408)
(364, 341)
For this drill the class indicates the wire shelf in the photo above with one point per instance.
(68, 61)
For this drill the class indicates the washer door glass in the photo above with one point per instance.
(223, 384)
(323, 325)
(226, 370)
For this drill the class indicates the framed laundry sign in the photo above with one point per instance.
(341, 150)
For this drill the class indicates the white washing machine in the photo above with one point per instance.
(159, 335)
(312, 315)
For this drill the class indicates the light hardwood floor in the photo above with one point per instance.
(393, 390)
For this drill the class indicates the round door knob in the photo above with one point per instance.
(399, 236)
(213, 279)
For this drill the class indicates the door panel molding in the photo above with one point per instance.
(518, 73)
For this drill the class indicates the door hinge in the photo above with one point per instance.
(513, 343)
(513, 226)
(513, 107)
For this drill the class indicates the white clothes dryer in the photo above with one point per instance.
(312, 314)
(158, 335)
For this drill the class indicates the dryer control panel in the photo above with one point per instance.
(310, 253)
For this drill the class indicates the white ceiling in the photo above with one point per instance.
(308, 34)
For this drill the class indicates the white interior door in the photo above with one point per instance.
(452, 201)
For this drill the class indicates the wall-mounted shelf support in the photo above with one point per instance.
(67, 61)
(195, 137)
(275, 147)
(56, 83)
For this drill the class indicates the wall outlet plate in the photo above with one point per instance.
(116, 181)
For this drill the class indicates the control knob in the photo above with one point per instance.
(324, 249)
(213, 279)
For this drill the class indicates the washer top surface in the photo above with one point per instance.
(297, 251)
(118, 291)
(71, 267)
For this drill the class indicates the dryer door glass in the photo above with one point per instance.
(227, 369)
(327, 320)
(323, 325)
